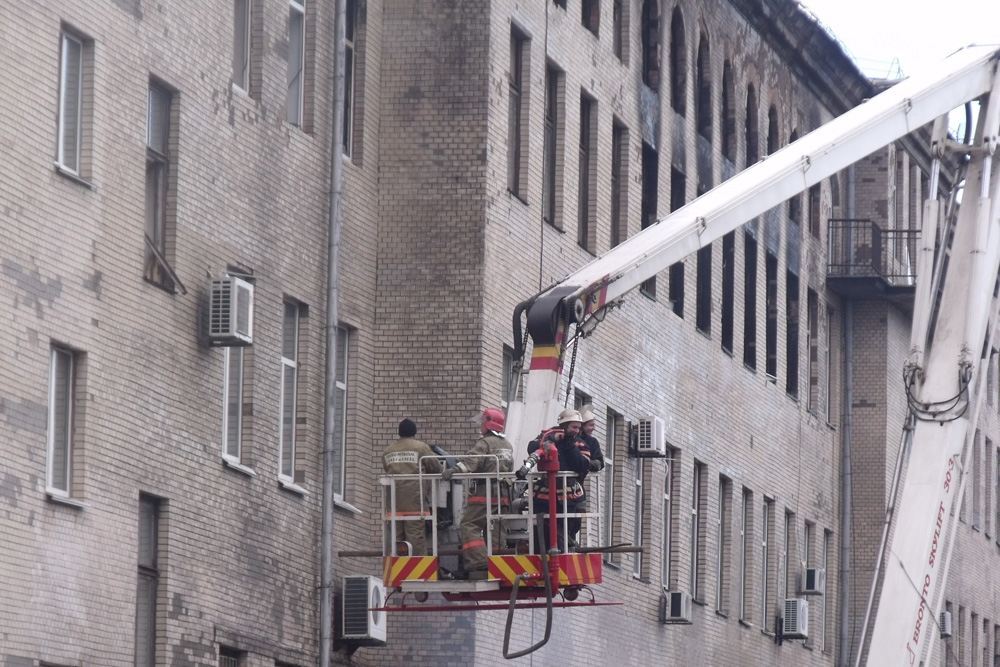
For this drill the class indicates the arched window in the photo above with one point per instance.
(728, 114)
(651, 43)
(678, 63)
(795, 203)
(703, 76)
(772, 130)
(752, 131)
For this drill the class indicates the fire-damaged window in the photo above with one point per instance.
(772, 130)
(751, 128)
(792, 334)
(749, 300)
(651, 43)
(678, 63)
(812, 347)
(678, 186)
(703, 102)
(650, 178)
(771, 312)
(619, 183)
(728, 289)
(703, 312)
(728, 111)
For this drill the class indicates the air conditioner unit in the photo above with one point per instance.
(362, 625)
(945, 624)
(230, 319)
(651, 437)
(813, 581)
(675, 607)
(795, 623)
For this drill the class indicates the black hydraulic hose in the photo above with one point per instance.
(513, 603)
(518, 335)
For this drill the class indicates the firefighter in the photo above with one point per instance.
(407, 456)
(596, 458)
(574, 456)
(481, 460)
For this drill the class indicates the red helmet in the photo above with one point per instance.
(493, 420)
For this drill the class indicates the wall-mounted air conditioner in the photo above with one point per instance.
(361, 625)
(813, 581)
(675, 607)
(230, 318)
(650, 437)
(795, 623)
(945, 624)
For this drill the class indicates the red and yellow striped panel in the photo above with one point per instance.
(506, 569)
(397, 569)
(545, 358)
(575, 569)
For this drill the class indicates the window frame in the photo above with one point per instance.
(723, 537)
(765, 562)
(342, 383)
(350, 75)
(148, 572)
(516, 91)
(666, 564)
(613, 424)
(289, 365)
(296, 12)
(697, 528)
(70, 382)
(157, 269)
(66, 36)
(638, 510)
(227, 362)
(586, 181)
(746, 553)
(242, 44)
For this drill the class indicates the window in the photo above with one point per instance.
(650, 202)
(241, 43)
(728, 289)
(619, 183)
(772, 130)
(289, 376)
(987, 487)
(728, 121)
(749, 300)
(637, 536)
(746, 553)
(791, 334)
(517, 107)
(340, 414)
(974, 630)
(766, 565)
(724, 529)
(703, 312)
(62, 397)
(651, 43)
(614, 430)
(667, 550)
(678, 63)
(795, 203)
(703, 85)
(581, 399)
(510, 378)
(812, 345)
(961, 635)
(996, 485)
(160, 142)
(587, 187)
(619, 32)
(771, 308)
(977, 475)
(232, 402)
(751, 136)
(788, 558)
(350, 76)
(295, 97)
(230, 657)
(829, 364)
(75, 103)
(986, 643)
(148, 581)
(947, 649)
(678, 195)
(590, 15)
(552, 169)
(827, 598)
(814, 210)
(697, 531)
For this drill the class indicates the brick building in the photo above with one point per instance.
(161, 497)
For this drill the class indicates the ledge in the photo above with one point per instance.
(745, 623)
(234, 464)
(347, 507)
(57, 497)
(73, 176)
(289, 485)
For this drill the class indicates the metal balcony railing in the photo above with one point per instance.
(860, 248)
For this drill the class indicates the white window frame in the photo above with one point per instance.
(668, 533)
(236, 458)
(50, 485)
(720, 538)
(343, 338)
(637, 525)
(63, 65)
(827, 601)
(242, 43)
(608, 480)
(745, 514)
(696, 482)
(785, 553)
(288, 365)
(764, 569)
(350, 78)
(296, 11)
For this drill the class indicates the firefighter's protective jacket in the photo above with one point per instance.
(481, 460)
(406, 456)
(574, 455)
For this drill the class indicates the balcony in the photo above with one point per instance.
(868, 262)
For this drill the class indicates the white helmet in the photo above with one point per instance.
(569, 415)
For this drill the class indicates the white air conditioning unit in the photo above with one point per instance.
(651, 437)
(813, 581)
(945, 624)
(795, 622)
(361, 624)
(675, 607)
(230, 318)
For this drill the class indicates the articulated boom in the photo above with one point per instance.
(919, 548)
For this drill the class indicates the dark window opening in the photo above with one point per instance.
(728, 115)
(590, 15)
(650, 179)
(792, 334)
(795, 203)
(750, 301)
(814, 202)
(678, 64)
(617, 30)
(678, 188)
(772, 131)
(728, 289)
(585, 186)
(552, 120)
(147, 592)
(515, 81)
(703, 106)
(651, 43)
(752, 136)
(703, 310)
(812, 324)
(619, 184)
(771, 312)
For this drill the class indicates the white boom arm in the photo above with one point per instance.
(909, 105)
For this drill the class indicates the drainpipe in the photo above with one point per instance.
(846, 476)
(334, 224)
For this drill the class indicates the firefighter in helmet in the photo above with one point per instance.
(407, 456)
(490, 451)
